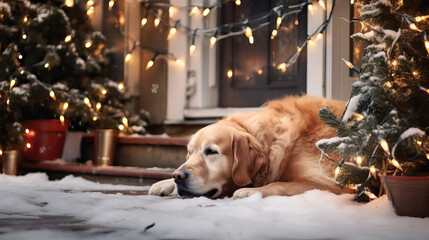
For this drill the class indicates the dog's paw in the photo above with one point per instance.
(163, 188)
(245, 192)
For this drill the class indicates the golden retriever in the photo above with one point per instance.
(271, 152)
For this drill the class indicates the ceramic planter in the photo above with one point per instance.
(47, 137)
(409, 194)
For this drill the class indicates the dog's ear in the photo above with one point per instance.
(248, 158)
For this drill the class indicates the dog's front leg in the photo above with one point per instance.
(163, 188)
(284, 189)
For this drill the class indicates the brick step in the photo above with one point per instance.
(105, 174)
(142, 151)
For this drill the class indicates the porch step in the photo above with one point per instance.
(142, 151)
(105, 174)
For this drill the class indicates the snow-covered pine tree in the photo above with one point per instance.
(385, 124)
(53, 63)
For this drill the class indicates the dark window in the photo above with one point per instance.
(256, 76)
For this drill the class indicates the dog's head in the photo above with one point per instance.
(221, 158)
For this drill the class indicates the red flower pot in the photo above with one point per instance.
(46, 137)
(409, 194)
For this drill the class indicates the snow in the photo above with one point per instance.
(352, 107)
(312, 215)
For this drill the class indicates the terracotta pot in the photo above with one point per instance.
(46, 137)
(409, 194)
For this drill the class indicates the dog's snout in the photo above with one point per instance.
(180, 176)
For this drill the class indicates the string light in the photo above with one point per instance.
(337, 171)
(373, 171)
(171, 11)
(230, 73)
(121, 127)
(52, 95)
(206, 12)
(125, 121)
(103, 91)
(238, 2)
(212, 41)
(69, 3)
(128, 57)
(111, 4)
(249, 35)
(94, 118)
(427, 156)
(156, 22)
(278, 22)
(12, 83)
(98, 106)
(370, 194)
(310, 8)
(144, 21)
(46, 65)
(359, 160)
(273, 33)
(350, 65)
(65, 106)
(421, 18)
(192, 47)
(1, 152)
(25, 19)
(180, 62)
(384, 145)
(427, 45)
(27, 131)
(322, 4)
(193, 11)
(28, 145)
(414, 27)
(149, 64)
(62, 119)
(121, 86)
(87, 102)
(358, 116)
(68, 38)
(396, 164)
(260, 71)
(24, 36)
(88, 43)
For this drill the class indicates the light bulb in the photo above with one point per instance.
(238, 2)
(191, 49)
(121, 86)
(69, 3)
(111, 4)
(68, 38)
(156, 22)
(171, 11)
(98, 106)
(104, 91)
(52, 95)
(230, 73)
(87, 102)
(128, 57)
(121, 127)
(65, 105)
(88, 44)
(212, 41)
(322, 4)
(206, 12)
(396, 164)
(384, 145)
(144, 21)
(278, 22)
(149, 64)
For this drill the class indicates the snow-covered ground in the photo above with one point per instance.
(31, 207)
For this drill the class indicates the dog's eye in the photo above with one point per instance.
(209, 151)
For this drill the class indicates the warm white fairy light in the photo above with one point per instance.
(128, 57)
(310, 8)
(87, 102)
(121, 127)
(171, 11)
(98, 106)
(52, 95)
(238, 2)
(274, 33)
(359, 160)
(12, 83)
(373, 171)
(156, 22)
(336, 172)
(358, 116)
(62, 119)
(414, 27)
(24, 36)
(322, 4)
(90, 3)
(212, 41)
(27, 131)
(65, 106)
(88, 43)
(111, 4)
(194, 10)
(251, 40)
(370, 194)
(121, 86)
(349, 64)
(260, 71)
(230, 73)
(69, 3)
(396, 164)
(125, 121)
(173, 30)
(249, 34)
(421, 18)
(8, 101)
(427, 156)
(25, 19)
(278, 22)
(94, 118)
(206, 12)
(90, 11)
(149, 64)
(180, 62)
(68, 38)
(103, 91)
(281, 66)
(28, 145)
(143, 22)
(46, 65)
(192, 49)
(384, 145)
(319, 36)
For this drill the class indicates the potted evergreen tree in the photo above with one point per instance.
(384, 128)
(59, 66)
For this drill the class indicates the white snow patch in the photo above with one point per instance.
(312, 215)
(411, 132)
(352, 107)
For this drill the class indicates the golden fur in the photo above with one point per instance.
(271, 151)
